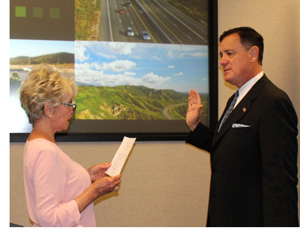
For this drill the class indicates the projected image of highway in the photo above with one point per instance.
(149, 21)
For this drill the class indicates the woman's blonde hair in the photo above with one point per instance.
(45, 84)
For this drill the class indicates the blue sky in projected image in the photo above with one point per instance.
(33, 48)
(158, 66)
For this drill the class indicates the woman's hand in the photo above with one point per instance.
(97, 189)
(98, 171)
(106, 185)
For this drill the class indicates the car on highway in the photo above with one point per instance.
(121, 11)
(129, 31)
(127, 4)
(145, 35)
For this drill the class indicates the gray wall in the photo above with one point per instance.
(167, 183)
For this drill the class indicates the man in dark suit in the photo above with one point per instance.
(253, 150)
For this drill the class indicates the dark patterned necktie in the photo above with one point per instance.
(230, 109)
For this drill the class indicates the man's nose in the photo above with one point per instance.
(223, 60)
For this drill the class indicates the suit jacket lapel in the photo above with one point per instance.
(240, 110)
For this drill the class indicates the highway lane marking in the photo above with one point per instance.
(163, 24)
(109, 23)
(144, 24)
(200, 36)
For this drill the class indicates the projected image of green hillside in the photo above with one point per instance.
(130, 103)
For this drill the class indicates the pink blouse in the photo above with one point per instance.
(52, 182)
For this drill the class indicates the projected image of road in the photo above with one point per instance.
(149, 21)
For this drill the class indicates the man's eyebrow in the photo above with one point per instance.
(228, 50)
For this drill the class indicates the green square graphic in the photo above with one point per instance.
(20, 11)
(37, 12)
(54, 13)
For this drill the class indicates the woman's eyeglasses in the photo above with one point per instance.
(74, 106)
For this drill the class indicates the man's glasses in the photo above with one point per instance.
(74, 106)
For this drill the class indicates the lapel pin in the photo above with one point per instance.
(244, 109)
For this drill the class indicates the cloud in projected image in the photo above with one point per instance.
(157, 66)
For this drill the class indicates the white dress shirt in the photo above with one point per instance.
(247, 86)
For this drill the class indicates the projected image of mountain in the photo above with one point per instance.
(132, 103)
(26, 54)
(138, 82)
(53, 59)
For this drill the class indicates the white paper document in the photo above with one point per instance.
(121, 156)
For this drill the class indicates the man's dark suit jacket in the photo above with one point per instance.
(253, 161)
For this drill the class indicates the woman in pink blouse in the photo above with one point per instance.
(59, 192)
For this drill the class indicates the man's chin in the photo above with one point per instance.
(228, 79)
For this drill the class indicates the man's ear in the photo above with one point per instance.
(254, 52)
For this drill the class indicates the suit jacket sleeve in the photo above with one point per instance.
(201, 137)
(279, 148)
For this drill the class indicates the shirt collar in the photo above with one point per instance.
(247, 86)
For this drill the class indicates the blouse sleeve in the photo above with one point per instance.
(49, 178)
